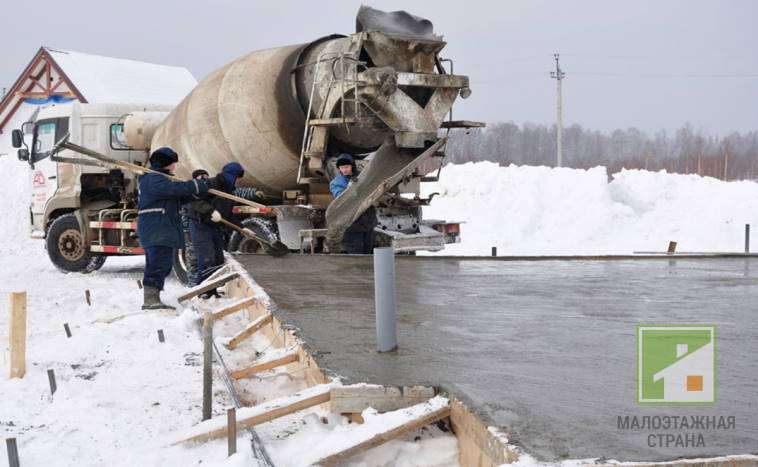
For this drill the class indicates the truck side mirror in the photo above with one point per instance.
(23, 154)
(17, 138)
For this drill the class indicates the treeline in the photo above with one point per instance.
(687, 150)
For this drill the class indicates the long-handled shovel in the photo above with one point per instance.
(65, 144)
(275, 249)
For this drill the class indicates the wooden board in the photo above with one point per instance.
(18, 335)
(251, 329)
(383, 437)
(206, 286)
(276, 411)
(251, 370)
(239, 305)
(357, 398)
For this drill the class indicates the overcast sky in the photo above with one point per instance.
(650, 64)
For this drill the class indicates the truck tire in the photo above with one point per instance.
(264, 228)
(182, 267)
(185, 268)
(66, 248)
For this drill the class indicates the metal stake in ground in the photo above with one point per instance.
(207, 364)
(86, 297)
(13, 461)
(747, 238)
(161, 338)
(384, 296)
(51, 379)
(231, 424)
(67, 329)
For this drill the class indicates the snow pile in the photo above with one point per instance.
(525, 210)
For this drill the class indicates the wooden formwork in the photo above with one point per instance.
(479, 447)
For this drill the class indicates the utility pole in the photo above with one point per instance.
(558, 75)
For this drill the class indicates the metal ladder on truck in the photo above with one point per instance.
(316, 132)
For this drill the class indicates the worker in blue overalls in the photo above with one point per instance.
(158, 225)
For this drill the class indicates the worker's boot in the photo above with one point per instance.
(153, 299)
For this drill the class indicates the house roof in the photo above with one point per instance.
(62, 74)
(707, 348)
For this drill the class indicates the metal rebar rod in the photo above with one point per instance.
(207, 364)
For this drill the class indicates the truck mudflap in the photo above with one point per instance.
(386, 169)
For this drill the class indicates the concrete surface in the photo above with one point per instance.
(544, 349)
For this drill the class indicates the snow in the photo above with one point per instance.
(121, 393)
(524, 210)
(110, 80)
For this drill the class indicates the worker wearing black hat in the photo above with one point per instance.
(205, 215)
(359, 237)
(158, 225)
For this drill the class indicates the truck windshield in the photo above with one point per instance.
(44, 140)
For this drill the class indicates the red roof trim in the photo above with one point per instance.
(49, 63)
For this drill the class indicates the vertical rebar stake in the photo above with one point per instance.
(207, 364)
(747, 238)
(51, 380)
(13, 460)
(384, 296)
(231, 430)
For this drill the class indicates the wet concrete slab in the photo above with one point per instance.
(544, 349)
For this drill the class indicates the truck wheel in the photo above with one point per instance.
(182, 267)
(238, 243)
(66, 248)
(184, 259)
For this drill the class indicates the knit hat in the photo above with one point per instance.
(198, 173)
(344, 159)
(231, 172)
(163, 157)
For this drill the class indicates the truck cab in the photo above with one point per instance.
(68, 188)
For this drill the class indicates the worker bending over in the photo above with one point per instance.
(205, 214)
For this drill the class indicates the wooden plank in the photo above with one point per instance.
(357, 398)
(383, 437)
(251, 329)
(270, 411)
(206, 286)
(236, 306)
(251, 370)
(18, 335)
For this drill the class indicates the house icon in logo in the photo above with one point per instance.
(676, 364)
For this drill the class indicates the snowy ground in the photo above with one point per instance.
(121, 393)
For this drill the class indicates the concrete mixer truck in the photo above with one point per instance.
(285, 114)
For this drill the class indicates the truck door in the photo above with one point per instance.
(44, 170)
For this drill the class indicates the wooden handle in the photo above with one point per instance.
(143, 170)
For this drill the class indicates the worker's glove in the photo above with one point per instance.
(248, 232)
(216, 216)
